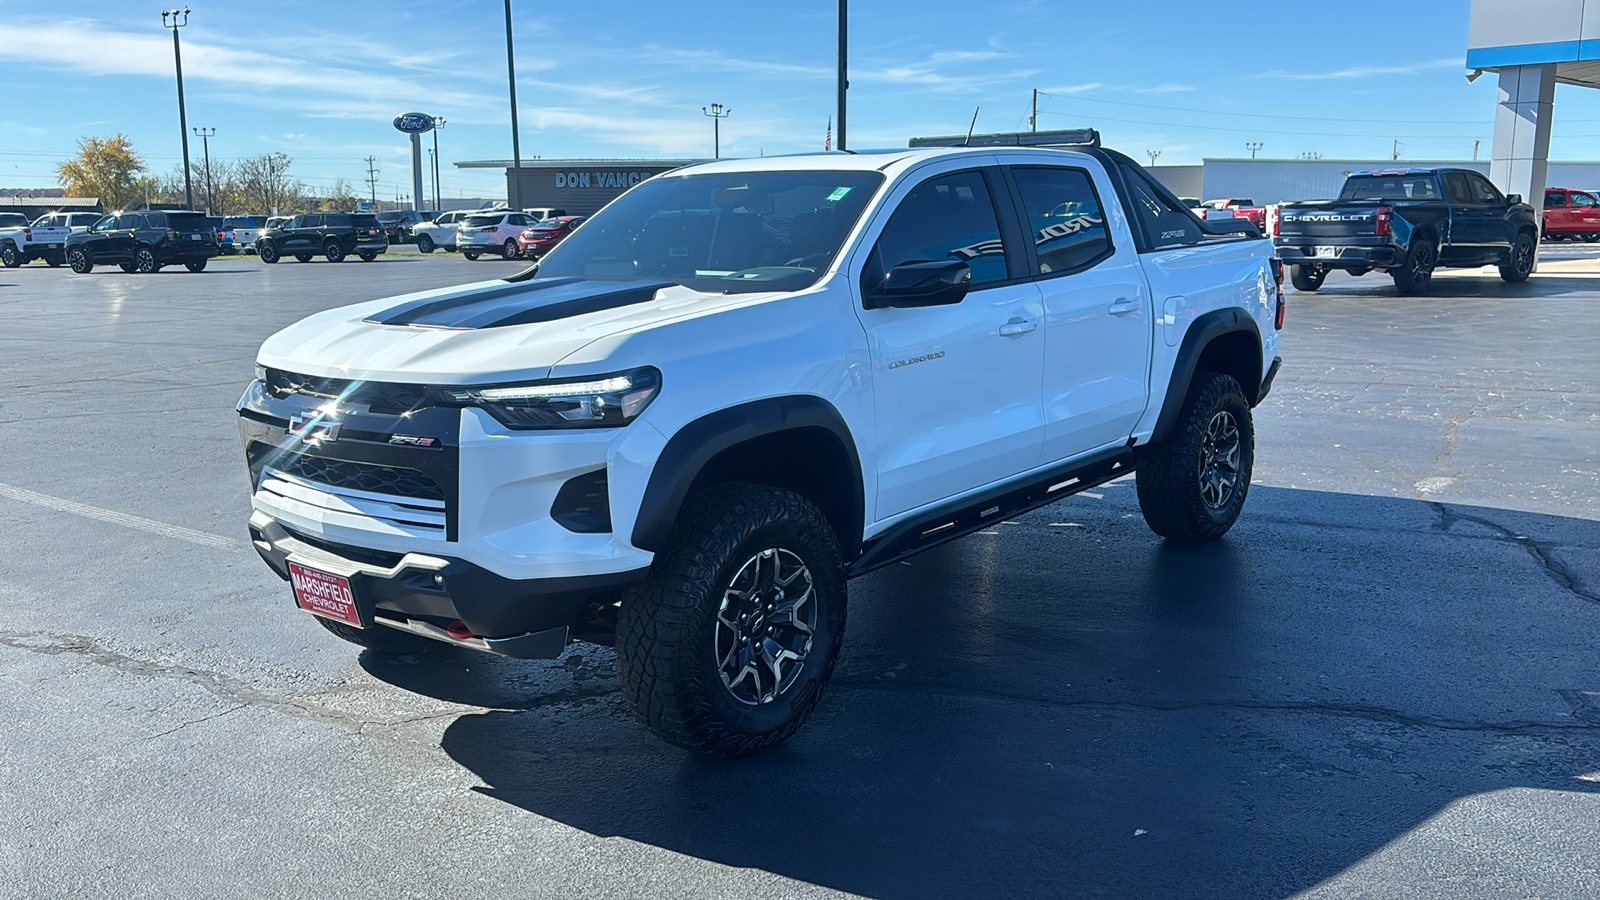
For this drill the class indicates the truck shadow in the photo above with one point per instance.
(1068, 705)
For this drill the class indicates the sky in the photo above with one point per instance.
(323, 81)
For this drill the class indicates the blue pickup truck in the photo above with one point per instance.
(1407, 222)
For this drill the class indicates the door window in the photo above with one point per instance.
(1582, 201)
(336, 220)
(106, 223)
(1455, 184)
(1484, 192)
(296, 222)
(1556, 198)
(156, 220)
(1065, 216)
(311, 222)
(947, 217)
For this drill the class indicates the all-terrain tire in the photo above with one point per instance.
(425, 243)
(1306, 278)
(1522, 256)
(670, 627)
(1178, 478)
(1415, 272)
(267, 252)
(380, 638)
(333, 251)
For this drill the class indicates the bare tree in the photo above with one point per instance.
(264, 184)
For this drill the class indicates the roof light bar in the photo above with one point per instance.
(1076, 137)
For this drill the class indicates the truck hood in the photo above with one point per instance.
(478, 333)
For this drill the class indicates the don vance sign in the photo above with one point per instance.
(599, 179)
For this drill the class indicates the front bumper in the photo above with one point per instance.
(424, 593)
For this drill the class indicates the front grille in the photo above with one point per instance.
(382, 397)
(355, 476)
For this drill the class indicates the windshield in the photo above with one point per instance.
(547, 224)
(1389, 187)
(731, 232)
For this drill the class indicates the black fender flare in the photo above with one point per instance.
(1205, 329)
(694, 445)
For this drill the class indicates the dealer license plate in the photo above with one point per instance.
(324, 594)
(1325, 252)
(197, 237)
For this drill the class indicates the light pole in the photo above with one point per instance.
(844, 68)
(1253, 146)
(170, 18)
(717, 113)
(1154, 155)
(205, 135)
(438, 123)
(516, 146)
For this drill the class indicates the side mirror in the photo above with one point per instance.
(1513, 199)
(922, 283)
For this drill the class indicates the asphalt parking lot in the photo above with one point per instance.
(1384, 681)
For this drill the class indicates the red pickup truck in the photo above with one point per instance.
(1239, 208)
(1571, 215)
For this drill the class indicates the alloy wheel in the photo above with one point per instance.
(765, 626)
(1219, 460)
(145, 261)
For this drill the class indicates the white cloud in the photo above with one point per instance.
(1364, 71)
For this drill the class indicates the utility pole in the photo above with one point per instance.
(844, 67)
(1154, 155)
(272, 185)
(1253, 147)
(170, 19)
(1475, 150)
(516, 146)
(1396, 154)
(1033, 118)
(438, 123)
(717, 114)
(205, 135)
(372, 180)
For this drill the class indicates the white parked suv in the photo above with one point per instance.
(492, 233)
(440, 232)
(743, 383)
(76, 222)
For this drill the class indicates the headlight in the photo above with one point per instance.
(261, 373)
(607, 401)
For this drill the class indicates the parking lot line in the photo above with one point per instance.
(202, 538)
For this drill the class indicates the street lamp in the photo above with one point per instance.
(438, 123)
(205, 135)
(516, 146)
(175, 19)
(1253, 146)
(717, 113)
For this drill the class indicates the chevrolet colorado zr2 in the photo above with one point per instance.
(742, 384)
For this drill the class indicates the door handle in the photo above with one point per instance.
(1018, 326)
(1123, 306)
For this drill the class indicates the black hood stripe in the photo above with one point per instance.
(540, 300)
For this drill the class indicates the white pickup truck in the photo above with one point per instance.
(21, 242)
(743, 383)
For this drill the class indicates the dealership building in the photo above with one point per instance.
(579, 186)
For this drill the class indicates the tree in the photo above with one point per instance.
(106, 168)
(264, 184)
(339, 198)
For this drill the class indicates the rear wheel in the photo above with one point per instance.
(425, 243)
(727, 646)
(509, 251)
(367, 255)
(198, 265)
(1192, 486)
(144, 260)
(303, 257)
(1521, 266)
(1307, 278)
(470, 255)
(10, 256)
(54, 259)
(334, 251)
(1591, 237)
(267, 251)
(380, 638)
(1414, 274)
(128, 267)
(79, 261)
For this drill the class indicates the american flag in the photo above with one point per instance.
(827, 139)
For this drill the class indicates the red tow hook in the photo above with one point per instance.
(458, 630)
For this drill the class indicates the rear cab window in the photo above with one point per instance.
(1065, 217)
(1389, 187)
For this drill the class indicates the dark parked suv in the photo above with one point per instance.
(397, 224)
(144, 242)
(334, 235)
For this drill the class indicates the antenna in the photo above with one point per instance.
(972, 126)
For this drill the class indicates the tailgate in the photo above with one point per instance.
(1328, 220)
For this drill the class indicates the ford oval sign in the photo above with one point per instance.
(413, 123)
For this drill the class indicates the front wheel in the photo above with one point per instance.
(1521, 266)
(198, 265)
(470, 255)
(79, 261)
(128, 267)
(267, 253)
(425, 244)
(367, 255)
(10, 257)
(333, 251)
(53, 260)
(302, 257)
(509, 251)
(1192, 486)
(1414, 274)
(1591, 236)
(1307, 278)
(726, 647)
